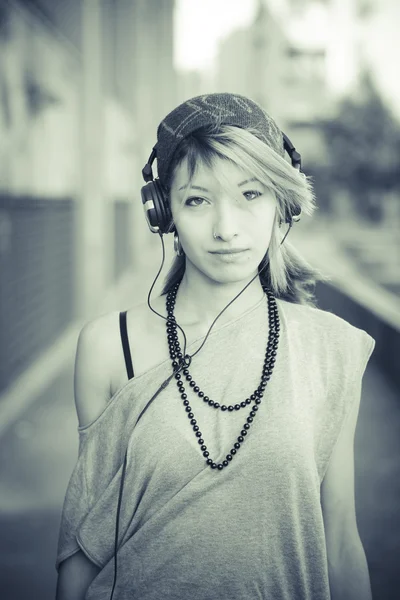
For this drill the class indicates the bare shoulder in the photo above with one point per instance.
(100, 369)
(147, 342)
(96, 356)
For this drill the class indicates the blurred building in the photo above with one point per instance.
(283, 71)
(82, 88)
(192, 83)
(250, 61)
(379, 46)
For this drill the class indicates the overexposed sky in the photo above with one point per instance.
(200, 24)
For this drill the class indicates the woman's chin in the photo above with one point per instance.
(230, 274)
(223, 271)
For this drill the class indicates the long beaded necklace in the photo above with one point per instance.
(178, 359)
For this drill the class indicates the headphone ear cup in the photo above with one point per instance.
(156, 209)
(163, 209)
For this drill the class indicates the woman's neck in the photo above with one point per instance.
(200, 300)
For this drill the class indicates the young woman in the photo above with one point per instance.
(216, 430)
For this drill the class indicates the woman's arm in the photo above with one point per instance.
(75, 575)
(347, 564)
(92, 392)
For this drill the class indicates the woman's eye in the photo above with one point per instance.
(251, 194)
(194, 201)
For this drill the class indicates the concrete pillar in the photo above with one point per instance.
(148, 81)
(94, 223)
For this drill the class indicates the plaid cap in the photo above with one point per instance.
(213, 109)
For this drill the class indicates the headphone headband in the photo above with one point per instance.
(295, 157)
(147, 171)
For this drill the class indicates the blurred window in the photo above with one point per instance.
(305, 65)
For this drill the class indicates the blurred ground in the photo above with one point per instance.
(38, 455)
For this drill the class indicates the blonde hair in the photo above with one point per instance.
(282, 269)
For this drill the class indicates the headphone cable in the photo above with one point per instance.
(189, 357)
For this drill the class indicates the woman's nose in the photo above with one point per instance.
(226, 224)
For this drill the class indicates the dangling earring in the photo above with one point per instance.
(177, 245)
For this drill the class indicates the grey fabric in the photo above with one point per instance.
(253, 530)
(213, 109)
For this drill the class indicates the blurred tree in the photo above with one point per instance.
(363, 147)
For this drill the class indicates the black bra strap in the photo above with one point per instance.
(125, 344)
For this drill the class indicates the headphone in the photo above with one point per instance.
(156, 206)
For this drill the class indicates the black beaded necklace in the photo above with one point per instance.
(179, 360)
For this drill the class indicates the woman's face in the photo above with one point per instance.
(229, 202)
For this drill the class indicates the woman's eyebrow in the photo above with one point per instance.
(247, 181)
(194, 187)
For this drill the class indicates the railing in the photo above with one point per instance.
(353, 293)
(364, 315)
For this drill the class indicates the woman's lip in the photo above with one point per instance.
(231, 251)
